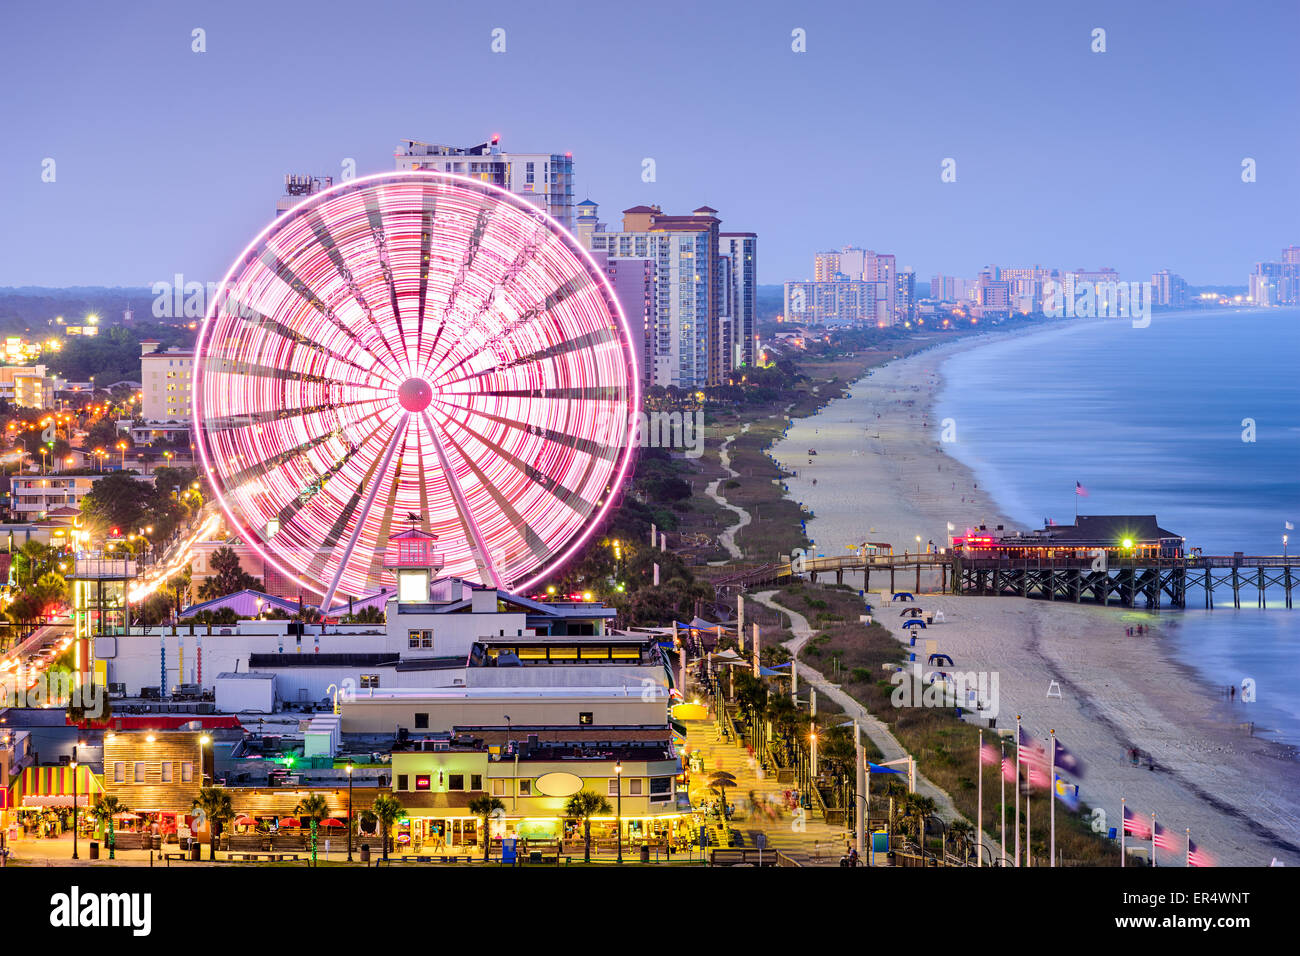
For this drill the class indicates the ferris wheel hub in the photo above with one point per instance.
(414, 394)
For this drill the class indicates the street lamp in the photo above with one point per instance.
(349, 811)
(74, 799)
(618, 789)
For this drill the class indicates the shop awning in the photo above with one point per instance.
(52, 786)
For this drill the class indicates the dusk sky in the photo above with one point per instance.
(171, 161)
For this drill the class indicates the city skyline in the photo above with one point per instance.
(161, 188)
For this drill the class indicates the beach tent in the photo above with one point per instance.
(904, 596)
(910, 612)
(940, 659)
(914, 622)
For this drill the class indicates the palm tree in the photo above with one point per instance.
(963, 834)
(387, 810)
(103, 811)
(483, 807)
(720, 780)
(919, 809)
(216, 806)
(312, 807)
(583, 806)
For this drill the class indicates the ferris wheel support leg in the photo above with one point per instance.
(462, 505)
(399, 436)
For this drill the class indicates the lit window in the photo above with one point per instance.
(187, 772)
(139, 771)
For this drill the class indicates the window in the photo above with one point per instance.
(412, 638)
(401, 782)
(525, 788)
(187, 772)
(498, 788)
(426, 639)
(422, 781)
(661, 789)
(634, 787)
(476, 781)
(456, 781)
(613, 786)
(167, 772)
(421, 721)
(139, 771)
(370, 681)
(119, 772)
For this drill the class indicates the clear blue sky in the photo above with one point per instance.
(170, 161)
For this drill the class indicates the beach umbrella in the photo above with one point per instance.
(290, 822)
(910, 612)
(332, 822)
(243, 820)
(126, 815)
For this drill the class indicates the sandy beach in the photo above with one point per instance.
(880, 474)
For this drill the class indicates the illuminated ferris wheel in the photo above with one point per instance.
(414, 346)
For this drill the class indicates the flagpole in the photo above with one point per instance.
(1153, 838)
(1123, 830)
(1002, 774)
(1017, 790)
(1029, 845)
(1189, 846)
(1051, 798)
(979, 801)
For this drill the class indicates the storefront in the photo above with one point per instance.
(40, 801)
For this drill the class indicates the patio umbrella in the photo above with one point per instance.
(126, 815)
(332, 822)
(290, 822)
(244, 821)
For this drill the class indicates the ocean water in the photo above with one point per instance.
(1195, 419)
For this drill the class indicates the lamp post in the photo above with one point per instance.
(618, 789)
(349, 812)
(74, 801)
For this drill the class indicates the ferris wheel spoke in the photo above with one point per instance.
(238, 480)
(467, 519)
(379, 234)
(605, 449)
(399, 434)
(428, 214)
(331, 248)
(282, 271)
(552, 485)
(590, 341)
(256, 319)
(223, 423)
(532, 541)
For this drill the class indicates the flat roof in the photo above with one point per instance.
(624, 691)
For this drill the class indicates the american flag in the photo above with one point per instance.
(989, 755)
(1080, 490)
(1038, 776)
(1008, 769)
(1031, 751)
(1134, 825)
(1164, 839)
(1195, 855)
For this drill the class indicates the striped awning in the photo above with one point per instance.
(52, 786)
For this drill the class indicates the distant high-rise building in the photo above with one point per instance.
(544, 179)
(691, 347)
(826, 267)
(843, 302)
(1277, 283)
(1168, 289)
(953, 289)
(634, 287)
(167, 378)
(905, 300)
(742, 249)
